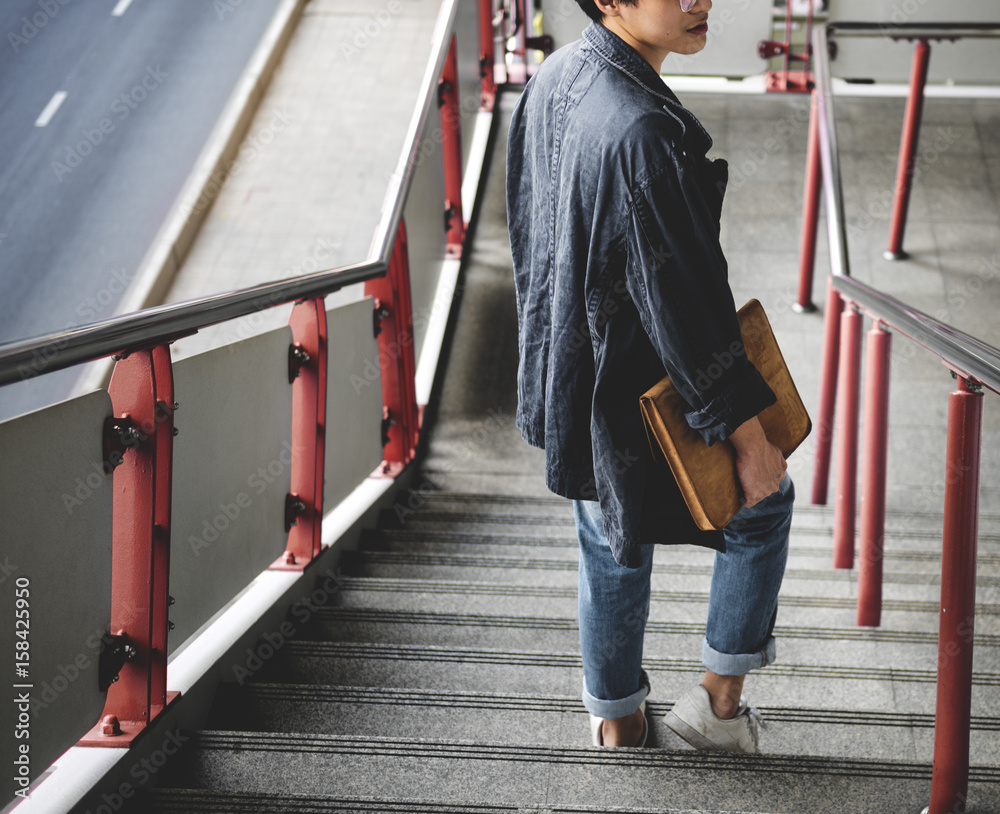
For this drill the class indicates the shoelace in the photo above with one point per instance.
(755, 721)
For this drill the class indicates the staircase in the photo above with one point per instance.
(443, 675)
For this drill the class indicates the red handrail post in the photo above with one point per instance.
(451, 145)
(908, 149)
(875, 446)
(393, 303)
(848, 386)
(142, 393)
(810, 213)
(827, 393)
(487, 57)
(950, 778)
(307, 371)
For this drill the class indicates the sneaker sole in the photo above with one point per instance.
(689, 733)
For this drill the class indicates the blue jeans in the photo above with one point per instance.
(742, 606)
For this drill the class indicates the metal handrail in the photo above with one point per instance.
(969, 357)
(973, 362)
(963, 353)
(48, 353)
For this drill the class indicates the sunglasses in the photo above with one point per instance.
(687, 5)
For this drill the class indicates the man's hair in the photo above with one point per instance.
(595, 14)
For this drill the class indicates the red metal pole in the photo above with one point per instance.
(396, 358)
(827, 394)
(950, 779)
(848, 386)
(873, 471)
(908, 149)
(451, 145)
(142, 392)
(810, 213)
(308, 366)
(487, 56)
(788, 44)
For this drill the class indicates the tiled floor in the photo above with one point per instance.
(953, 237)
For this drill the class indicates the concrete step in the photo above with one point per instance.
(560, 567)
(198, 801)
(834, 685)
(377, 626)
(547, 720)
(428, 503)
(814, 549)
(464, 772)
(667, 604)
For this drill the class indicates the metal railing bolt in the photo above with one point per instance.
(110, 725)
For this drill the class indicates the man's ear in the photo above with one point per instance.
(609, 8)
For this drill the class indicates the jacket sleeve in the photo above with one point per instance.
(677, 277)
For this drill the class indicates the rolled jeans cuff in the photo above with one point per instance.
(729, 664)
(619, 708)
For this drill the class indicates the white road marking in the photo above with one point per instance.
(121, 8)
(51, 108)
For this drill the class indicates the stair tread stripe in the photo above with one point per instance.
(378, 616)
(526, 658)
(894, 535)
(566, 704)
(236, 802)
(400, 585)
(547, 564)
(382, 747)
(545, 500)
(461, 538)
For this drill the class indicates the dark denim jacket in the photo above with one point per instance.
(613, 210)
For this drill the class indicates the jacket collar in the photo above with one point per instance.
(626, 59)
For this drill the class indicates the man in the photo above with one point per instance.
(613, 210)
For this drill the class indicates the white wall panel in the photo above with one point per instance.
(354, 400)
(880, 58)
(55, 533)
(231, 473)
(425, 232)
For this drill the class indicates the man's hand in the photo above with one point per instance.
(760, 465)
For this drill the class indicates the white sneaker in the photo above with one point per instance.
(597, 731)
(692, 718)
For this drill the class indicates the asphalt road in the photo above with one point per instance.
(105, 106)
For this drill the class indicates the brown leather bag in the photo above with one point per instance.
(706, 474)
